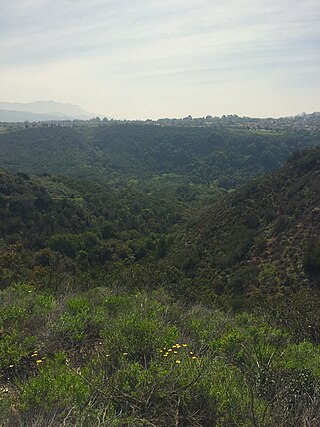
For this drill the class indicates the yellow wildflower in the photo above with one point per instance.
(11, 366)
(178, 362)
(194, 357)
(125, 354)
(170, 349)
(175, 352)
(191, 352)
(161, 351)
(166, 354)
(184, 345)
(38, 361)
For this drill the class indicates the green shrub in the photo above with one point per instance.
(304, 355)
(138, 336)
(74, 325)
(14, 347)
(56, 386)
(23, 307)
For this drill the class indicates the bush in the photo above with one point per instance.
(56, 386)
(75, 324)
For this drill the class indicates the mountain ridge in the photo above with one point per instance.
(42, 111)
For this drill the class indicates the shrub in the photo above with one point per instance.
(13, 348)
(138, 336)
(56, 386)
(74, 325)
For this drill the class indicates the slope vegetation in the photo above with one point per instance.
(263, 237)
(99, 328)
(108, 152)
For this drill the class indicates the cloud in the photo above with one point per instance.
(159, 47)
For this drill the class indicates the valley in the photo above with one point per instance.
(160, 275)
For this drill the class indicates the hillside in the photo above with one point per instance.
(107, 152)
(93, 228)
(263, 238)
(105, 320)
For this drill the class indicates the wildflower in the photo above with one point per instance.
(34, 355)
(178, 362)
(166, 355)
(38, 361)
(178, 345)
(190, 352)
(125, 354)
(174, 346)
(11, 366)
(184, 345)
(194, 357)
(170, 349)
(161, 351)
(175, 352)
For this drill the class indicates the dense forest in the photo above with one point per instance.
(159, 276)
(229, 157)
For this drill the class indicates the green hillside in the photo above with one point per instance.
(108, 152)
(264, 237)
(147, 295)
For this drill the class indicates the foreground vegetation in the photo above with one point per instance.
(140, 358)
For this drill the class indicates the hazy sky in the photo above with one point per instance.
(161, 58)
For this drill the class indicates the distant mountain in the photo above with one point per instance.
(263, 238)
(23, 116)
(41, 111)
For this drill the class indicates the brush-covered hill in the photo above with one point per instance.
(98, 327)
(45, 219)
(264, 237)
(229, 157)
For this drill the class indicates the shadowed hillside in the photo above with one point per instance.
(263, 237)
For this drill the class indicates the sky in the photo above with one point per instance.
(159, 58)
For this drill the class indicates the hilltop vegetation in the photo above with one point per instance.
(147, 294)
